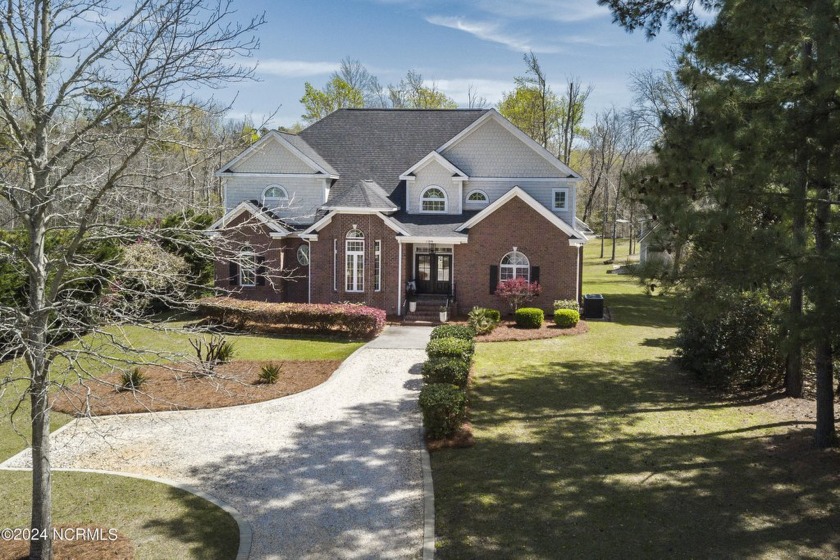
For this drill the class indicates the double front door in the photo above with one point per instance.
(433, 273)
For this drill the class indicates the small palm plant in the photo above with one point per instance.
(131, 380)
(269, 373)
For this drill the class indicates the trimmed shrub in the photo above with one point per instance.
(566, 318)
(444, 409)
(453, 331)
(453, 371)
(566, 304)
(483, 320)
(269, 373)
(450, 347)
(131, 380)
(353, 321)
(529, 318)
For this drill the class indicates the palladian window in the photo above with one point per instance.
(433, 200)
(354, 259)
(514, 265)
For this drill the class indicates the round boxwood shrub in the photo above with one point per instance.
(455, 331)
(529, 318)
(444, 408)
(453, 371)
(566, 318)
(450, 347)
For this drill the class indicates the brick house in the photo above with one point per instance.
(366, 203)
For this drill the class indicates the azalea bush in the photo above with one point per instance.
(518, 291)
(353, 321)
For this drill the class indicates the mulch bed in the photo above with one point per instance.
(461, 439)
(176, 388)
(507, 330)
(119, 549)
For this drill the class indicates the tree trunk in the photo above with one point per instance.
(793, 360)
(825, 432)
(606, 216)
(41, 548)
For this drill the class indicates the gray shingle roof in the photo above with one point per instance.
(363, 194)
(433, 225)
(308, 151)
(380, 144)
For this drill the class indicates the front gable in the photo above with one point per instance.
(273, 154)
(493, 147)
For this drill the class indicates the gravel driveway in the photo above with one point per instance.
(334, 472)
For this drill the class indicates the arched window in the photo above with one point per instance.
(514, 265)
(477, 197)
(247, 267)
(303, 255)
(354, 261)
(433, 199)
(274, 196)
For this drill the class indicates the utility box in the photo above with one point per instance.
(593, 306)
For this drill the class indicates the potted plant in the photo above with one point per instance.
(412, 301)
(444, 312)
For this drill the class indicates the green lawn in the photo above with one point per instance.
(597, 446)
(163, 522)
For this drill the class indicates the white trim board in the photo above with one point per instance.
(325, 221)
(433, 156)
(245, 206)
(574, 235)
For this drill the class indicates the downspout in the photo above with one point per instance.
(309, 276)
(399, 277)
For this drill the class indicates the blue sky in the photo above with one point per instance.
(452, 43)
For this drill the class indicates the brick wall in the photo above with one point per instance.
(321, 263)
(280, 257)
(515, 225)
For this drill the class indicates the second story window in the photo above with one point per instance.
(560, 199)
(433, 200)
(275, 196)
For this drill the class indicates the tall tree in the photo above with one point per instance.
(337, 94)
(412, 92)
(532, 106)
(75, 127)
(769, 112)
(571, 117)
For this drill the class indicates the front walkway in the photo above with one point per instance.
(334, 472)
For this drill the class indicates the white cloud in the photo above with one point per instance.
(556, 10)
(295, 68)
(490, 31)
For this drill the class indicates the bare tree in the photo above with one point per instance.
(354, 73)
(474, 100)
(87, 87)
(571, 116)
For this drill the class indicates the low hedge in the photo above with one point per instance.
(453, 331)
(566, 304)
(353, 321)
(453, 371)
(444, 409)
(566, 318)
(529, 317)
(451, 347)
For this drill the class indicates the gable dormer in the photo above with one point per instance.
(434, 186)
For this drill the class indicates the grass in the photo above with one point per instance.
(597, 446)
(163, 522)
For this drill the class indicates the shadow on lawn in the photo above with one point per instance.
(352, 484)
(601, 460)
(207, 531)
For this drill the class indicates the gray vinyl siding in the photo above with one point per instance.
(492, 151)
(306, 194)
(540, 190)
(434, 174)
(272, 157)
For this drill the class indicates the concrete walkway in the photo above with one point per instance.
(334, 472)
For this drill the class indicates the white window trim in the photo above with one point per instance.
(377, 255)
(303, 248)
(244, 254)
(526, 266)
(353, 282)
(484, 202)
(554, 192)
(279, 200)
(424, 199)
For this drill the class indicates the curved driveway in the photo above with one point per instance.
(334, 472)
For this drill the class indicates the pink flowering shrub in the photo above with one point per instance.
(517, 292)
(354, 321)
